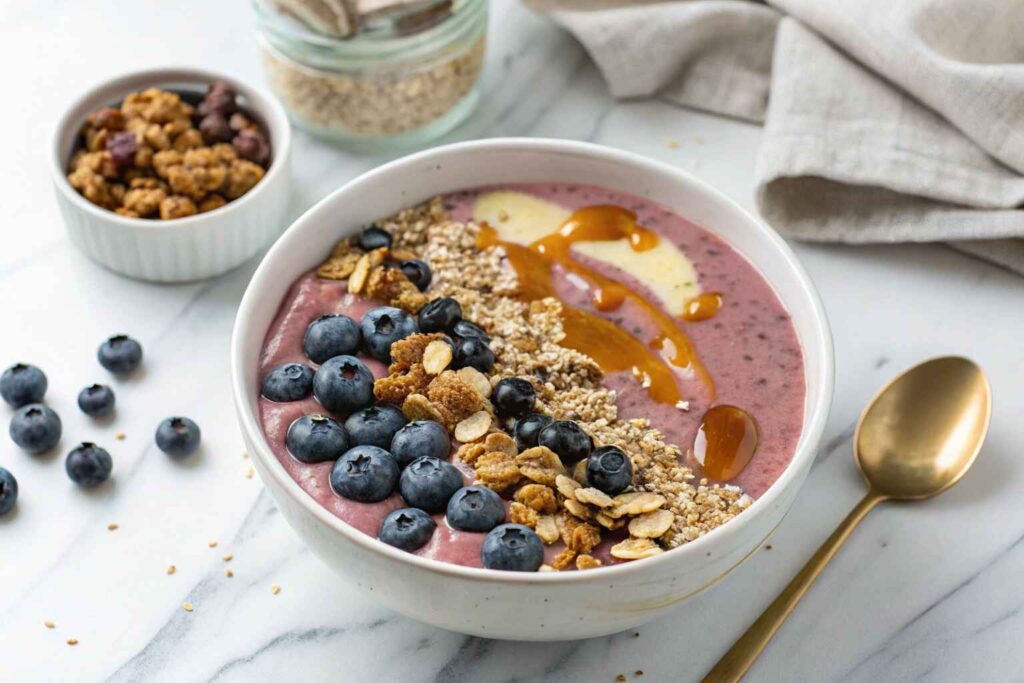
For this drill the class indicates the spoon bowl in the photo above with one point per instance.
(923, 431)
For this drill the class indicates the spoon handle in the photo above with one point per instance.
(742, 655)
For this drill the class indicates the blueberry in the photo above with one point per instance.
(463, 329)
(316, 438)
(375, 426)
(35, 428)
(120, 354)
(8, 491)
(429, 483)
(22, 384)
(373, 237)
(513, 397)
(475, 508)
(96, 400)
(365, 473)
(407, 529)
(528, 428)
(474, 353)
(88, 465)
(288, 382)
(329, 336)
(418, 272)
(422, 438)
(567, 439)
(439, 314)
(343, 384)
(178, 437)
(512, 548)
(382, 327)
(609, 470)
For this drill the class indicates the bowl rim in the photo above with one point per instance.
(279, 135)
(806, 448)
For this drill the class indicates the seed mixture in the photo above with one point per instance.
(662, 508)
(374, 103)
(157, 156)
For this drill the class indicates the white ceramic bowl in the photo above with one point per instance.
(535, 606)
(183, 249)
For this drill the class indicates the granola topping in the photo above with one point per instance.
(157, 156)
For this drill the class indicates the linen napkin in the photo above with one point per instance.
(885, 120)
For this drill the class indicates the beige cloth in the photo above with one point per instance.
(885, 120)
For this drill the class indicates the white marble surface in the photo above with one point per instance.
(930, 591)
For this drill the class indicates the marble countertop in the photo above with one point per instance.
(930, 590)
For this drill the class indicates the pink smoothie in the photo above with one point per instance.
(750, 349)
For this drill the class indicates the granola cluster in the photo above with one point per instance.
(662, 508)
(157, 156)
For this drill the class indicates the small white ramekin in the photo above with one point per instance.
(183, 249)
(527, 606)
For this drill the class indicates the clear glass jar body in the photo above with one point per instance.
(380, 89)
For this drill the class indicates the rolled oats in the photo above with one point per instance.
(587, 562)
(475, 379)
(547, 529)
(566, 486)
(520, 514)
(577, 508)
(473, 427)
(635, 503)
(436, 357)
(651, 524)
(592, 496)
(635, 549)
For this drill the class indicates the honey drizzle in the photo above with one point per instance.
(726, 441)
(702, 307)
(609, 345)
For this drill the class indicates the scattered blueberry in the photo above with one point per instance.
(473, 353)
(365, 473)
(178, 437)
(88, 465)
(512, 548)
(96, 400)
(22, 384)
(609, 470)
(343, 384)
(567, 439)
(429, 483)
(316, 438)
(422, 438)
(475, 508)
(120, 354)
(288, 382)
(439, 314)
(382, 327)
(35, 428)
(407, 529)
(418, 273)
(373, 237)
(463, 329)
(513, 397)
(528, 428)
(375, 426)
(329, 336)
(8, 491)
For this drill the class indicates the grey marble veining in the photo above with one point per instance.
(928, 591)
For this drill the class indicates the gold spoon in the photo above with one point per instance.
(918, 437)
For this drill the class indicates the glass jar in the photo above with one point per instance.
(401, 80)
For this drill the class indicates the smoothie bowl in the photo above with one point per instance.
(531, 389)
